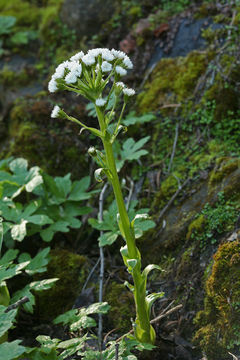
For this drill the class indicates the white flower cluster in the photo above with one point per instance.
(125, 90)
(72, 69)
(55, 111)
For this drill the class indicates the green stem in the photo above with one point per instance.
(143, 328)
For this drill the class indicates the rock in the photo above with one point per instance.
(128, 44)
(87, 16)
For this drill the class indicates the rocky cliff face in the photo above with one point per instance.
(186, 72)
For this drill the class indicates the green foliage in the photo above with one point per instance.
(52, 207)
(6, 319)
(139, 218)
(6, 24)
(217, 220)
(11, 350)
(133, 119)
(131, 150)
(78, 318)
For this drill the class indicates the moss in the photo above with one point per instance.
(122, 307)
(219, 329)
(173, 80)
(197, 225)
(71, 269)
(227, 167)
(27, 14)
(12, 79)
(168, 188)
(42, 141)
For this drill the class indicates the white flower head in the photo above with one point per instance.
(55, 112)
(106, 66)
(128, 92)
(59, 72)
(75, 68)
(71, 78)
(121, 71)
(88, 60)
(107, 55)
(77, 56)
(94, 52)
(127, 62)
(118, 54)
(120, 84)
(52, 85)
(100, 102)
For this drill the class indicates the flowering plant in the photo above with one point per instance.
(96, 76)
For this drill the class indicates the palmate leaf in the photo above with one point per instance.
(132, 119)
(9, 256)
(79, 319)
(11, 350)
(7, 271)
(47, 234)
(79, 190)
(131, 150)
(72, 346)
(27, 291)
(38, 264)
(6, 319)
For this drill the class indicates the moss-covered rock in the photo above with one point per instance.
(219, 321)
(71, 270)
(33, 135)
(122, 307)
(173, 80)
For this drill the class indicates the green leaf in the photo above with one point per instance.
(47, 234)
(9, 272)
(132, 119)
(39, 262)
(151, 298)
(39, 219)
(67, 318)
(79, 190)
(98, 308)
(11, 350)
(19, 231)
(32, 184)
(64, 184)
(42, 284)
(6, 24)
(31, 208)
(6, 319)
(131, 150)
(18, 166)
(108, 238)
(27, 291)
(55, 195)
(149, 268)
(9, 256)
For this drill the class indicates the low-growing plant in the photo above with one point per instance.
(32, 201)
(96, 77)
(217, 219)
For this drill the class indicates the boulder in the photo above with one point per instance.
(87, 16)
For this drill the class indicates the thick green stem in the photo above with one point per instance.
(143, 331)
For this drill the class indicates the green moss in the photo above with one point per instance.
(227, 167)
(168, 188)
(71, 269)
(219, 329)
(173, 80)
(11, 79)
(26, 13)
(197, 225)
(122, 307)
